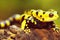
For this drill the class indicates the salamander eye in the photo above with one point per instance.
(51, 15)
(37, 13)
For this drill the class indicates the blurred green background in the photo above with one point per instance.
(11, 7)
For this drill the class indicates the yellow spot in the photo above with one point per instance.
(53, 29)
(27, 27)
(35, 22)
(2, 24)
(23, 25)
(32, 20)
(27, 21)
(17, 17)
(53, 24)
(11, 18)
(7, 22)
(26, 24)
(27, 31)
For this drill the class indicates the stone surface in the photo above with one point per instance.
(35, 34)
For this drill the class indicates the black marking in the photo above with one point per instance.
(23, 17)
(42, 18)
(29, 17)
(43, 12)
(36, 13)
(40, 15)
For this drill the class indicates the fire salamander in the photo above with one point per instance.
(33, 19)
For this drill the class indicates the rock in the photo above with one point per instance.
(34, 34)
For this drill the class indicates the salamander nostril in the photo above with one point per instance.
(51, 15)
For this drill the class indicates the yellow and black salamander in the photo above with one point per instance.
(32, 19)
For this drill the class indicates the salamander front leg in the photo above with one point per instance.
(23, 24)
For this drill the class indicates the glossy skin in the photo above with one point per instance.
(45, 16)
(32, 19)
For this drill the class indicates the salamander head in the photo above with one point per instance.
(44, 16)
